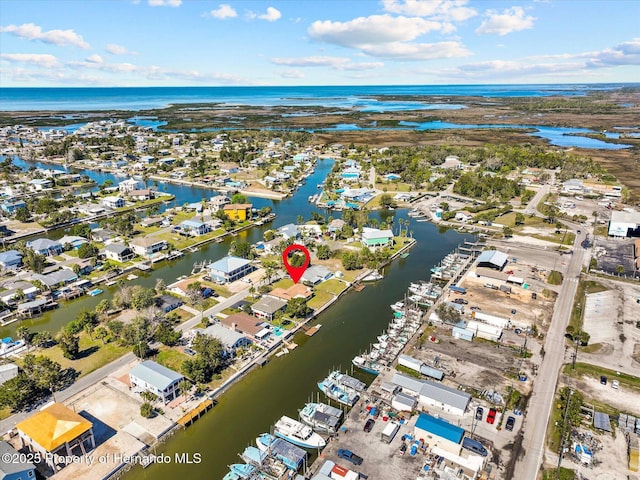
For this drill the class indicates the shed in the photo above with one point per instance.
(438, 432)
(601, 421)
(493, 259)
(403, 402)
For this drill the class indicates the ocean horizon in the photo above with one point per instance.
(361, 97)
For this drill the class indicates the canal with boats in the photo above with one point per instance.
(284, 384)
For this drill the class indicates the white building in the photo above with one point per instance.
(624, 224)
(153, 377)
(128, 185)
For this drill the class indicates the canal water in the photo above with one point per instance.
(282, 386)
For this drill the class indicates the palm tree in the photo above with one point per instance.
(24, 334)
(184, 386)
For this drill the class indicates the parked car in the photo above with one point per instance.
(603, 380)
(615, 384)
(350, 456)
(368, 426)
(460, 301)
(188, 351)
(491, 416)
(479, 413)
(475, 446)
(477, 309)
(513, 311)
(511, 421)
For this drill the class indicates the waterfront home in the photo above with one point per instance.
(452, 162)
(229, 269)
(356, 194)
(103, 235)
(152, 221)
(11, 206)
(56, 431)
(464, 216)
(141, 195)
(351, 174)
(247, 324)
(374, 237)
(316, 274)
(297, 290)
(230, 339)
(113, 202)
(152, 377)
(289, 231)
(128, 185)
(147, 246)
(267, 307)
(228, 168)
(46, 247)
(238, 211)
(14, 465)
(218, 202)
(19, 289)
(335, 225)
(91, 209)
(10, 260)
(73, 241)
(7, 372)
(167, 303)
(118, 252)
(39, 184)
(56, 279)
(194, 227)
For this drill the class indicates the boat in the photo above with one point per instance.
(372, 277)
(95, 291)
(366, 364)
(321, 417)
(298, 433)
(267, 465)
(342, 388)
(292, 456)
(404, 255)
(241, 471)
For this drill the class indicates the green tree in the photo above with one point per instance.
(70, 344)
(386, 201)
(42, 339)
(24, 334)
(507, 231)
(323, 252)
(87, 250)
(142, 297)
(18, 392)
(298, 308)
(241, 249)
(103, 307)
(146, 410)
(239, 198)
(351, 261)
(101, 333)
(519, 219)
(166, 334)
(22, 215)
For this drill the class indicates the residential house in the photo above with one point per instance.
(141, 195)
(244, 323)
(147, 246)
(194, 227)
(464, 216)
(374, 237)
(56, 431)
(289, 231)
(230, 339)
(230, 269)
(113, 202)
(452, 162)
(267, 307)
(228, 168)
(14, 465)
(238, 211)
(168, 303)
(73, 241)
(11, 206)
(316, 274)
(56, 279)
(39, 184)
(46, 247)
(335, 225)
(18, 289)
(128, 185)
(118, 252)
(10, 260)
(152, 377)
(218, 202)
(297, 290)
(351, 174)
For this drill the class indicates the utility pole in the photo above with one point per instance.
(564, 425)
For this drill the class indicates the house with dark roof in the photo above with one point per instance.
(118, 252)
(155, 378)
(168, 303)
(229, 269)
(56, 279)
(492, 259)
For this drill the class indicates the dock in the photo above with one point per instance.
(313, 330)
(196, 413)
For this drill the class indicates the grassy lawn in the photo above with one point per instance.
(183, 314)
(394, 187)
(180, 241)
(596, 371)
(93, 354)
(5, 413)
(601, 231)
(584, 287)
(398, 243)
(283, 283)
(509, 220)
(171, 358)
(561, 238)
(555, 278)
(319, 299)
(332, 286)
(554, 429)
(350, 275)
(563, 474)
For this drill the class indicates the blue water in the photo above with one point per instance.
(140, 98)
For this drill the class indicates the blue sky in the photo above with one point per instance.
(317, 42)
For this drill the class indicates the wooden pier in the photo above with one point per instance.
(196, 413)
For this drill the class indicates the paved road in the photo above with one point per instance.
(540, 404)
(532, 206)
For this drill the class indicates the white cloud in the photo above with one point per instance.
(292, 74)
(510, 20)
(39, 59)
(95, 58)
(626, 53)
(336, 63)
(115, 49)
(454, 10)
(271, 15)
(375, 29)
(223, 11)
(62, 38)
(165, 3)
(417, 51)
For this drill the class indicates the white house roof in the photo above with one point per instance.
(229, 264)
(371, 233)
(227, 336)
(43, 244)
(155, 374)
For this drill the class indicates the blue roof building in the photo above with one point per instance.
(436, 431)
(10, 259)
(230, 269)
(153, 377)
(194, 227)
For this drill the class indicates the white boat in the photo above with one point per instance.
(372, 277)
(321, 417)
(298, 433)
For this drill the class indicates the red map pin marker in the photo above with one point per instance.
(296, 272)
